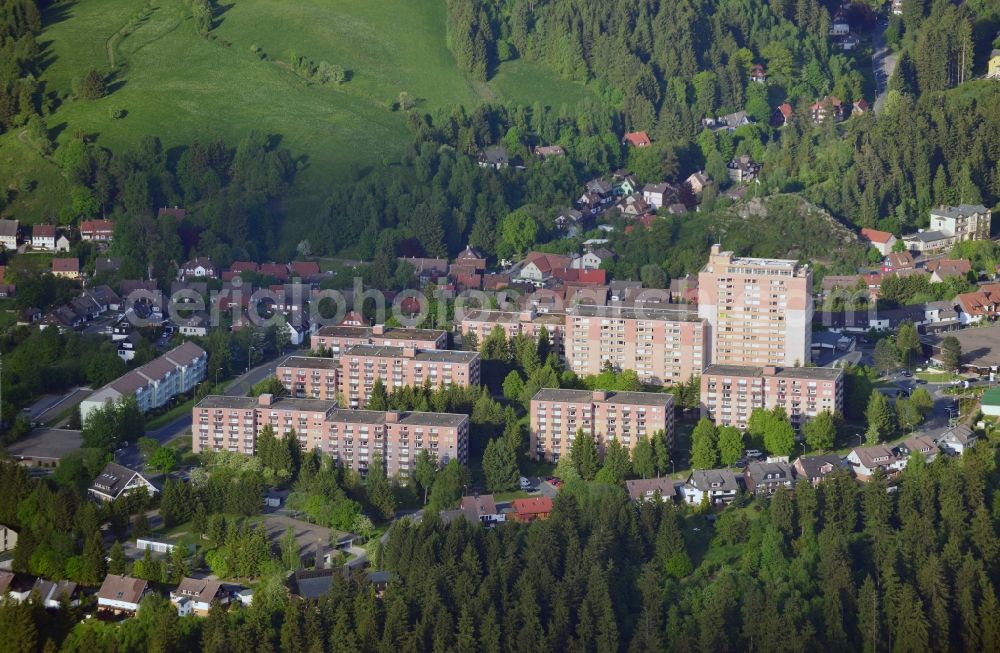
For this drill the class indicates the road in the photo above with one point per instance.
(131, 457)
(883, 64)
(49, 406)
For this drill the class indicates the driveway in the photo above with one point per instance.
(883, 64)
(49, 406)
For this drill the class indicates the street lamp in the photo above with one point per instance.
(251, 348)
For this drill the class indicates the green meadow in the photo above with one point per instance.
(176, 84)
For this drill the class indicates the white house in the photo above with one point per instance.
(720, 485)
(865, 460)
(43, 236)
(62, 243)
(656, 195)
(196, 596)
(647, 489)
(593, 259)
(200, 267)
(117, 481)
(957, 439)
(121, 594)
(52, 594)
(8, 234)
(8, 538)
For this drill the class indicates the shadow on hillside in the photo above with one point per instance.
(57, 13)
(114, 81)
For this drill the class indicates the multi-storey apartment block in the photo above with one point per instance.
(402, 366)
(482, 322)
(351, 437)
(759, 311)
(729, 393)
(153, 384)
(556, 415)
(662, 345)
(338, 339)
(312, 377)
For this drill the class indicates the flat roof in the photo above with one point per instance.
(412, 418)
(313, 362)
(422, 355)
(46, 443)
(279, 403)
(390, 332)
(636, 313)
(612, 397)
(812, 373)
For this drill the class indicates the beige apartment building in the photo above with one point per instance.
(310, 377)
(352, 437)
(402, 366)
(482, 323)
(759, 311)
(663, 345)
(556, 414)
(338, 339)
(729, 393)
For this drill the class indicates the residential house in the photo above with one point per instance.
(883, 241)
(195, 324)
(121, 594)
(43, 236)
(648, 489)
(827, 108)
(176, 212)
(864, 461)
(128, 346)
(942, 269)
(55, 594)
(8, 234)
(105, 298)
(677, 208)
(196, 596)
(839, 25)
(100, 231)
(717, 486)
(957, 439)
(625, 183)
(62, 243)
(758, 73)
(816, 468)
(897, 261)
(200, 267)
(568, 221)
(781, 115)
(107, 265)
(897, 7)
(494, 157)
(634, 207)
(732, 121)
(593, 259)
(117, 481)
(980, 304)
(481, 509)
(921, 444)
(636, 139)
(539, 266)
(276, 271)
(698, 181)
(993, 65)
(8, 538)
(743, 169)
(305, 269)
(16, 587)
(764, 478)
(860, 107)
(531, 509)
(657, 195)
(848, 43)
(548, 151)
(68, 268)
(684, 290)
(600, 187)
(428, 269)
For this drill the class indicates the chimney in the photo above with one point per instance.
(409, 352)
(600, 395)
(378, 329)
(392, 416)
(265, 399)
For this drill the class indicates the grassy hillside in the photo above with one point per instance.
(178, 85)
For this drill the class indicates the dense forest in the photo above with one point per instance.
(839, 566)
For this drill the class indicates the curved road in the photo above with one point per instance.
(883, 64)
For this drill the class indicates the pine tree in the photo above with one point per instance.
(378, 489)
(881, 422)
(425, 469)
(820, 432)
(616, 464)
(584, 454)
(704, 450)
(500, 466)
(643, 463)
(378, 398)
(730, 445)
(178, 565)
(118, 563)
(93, 568)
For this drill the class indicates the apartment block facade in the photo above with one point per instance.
(556, 414)
(963, 222)
(663, 346)
(310, 377)
(729, 393)
(759, 311)
(338, 339)
(482, 322)
(352, 437)
(402, 366)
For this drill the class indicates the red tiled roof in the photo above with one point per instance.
(96, 227)
(950, 266)
(243, 266)
(637, 139)
(786, 110)
(305, 268)
(276, 270)
(43, 231)
(898, 260)
(875, 236)
(65, 265)
(176, 212)
(532, 506)
(547, 262)
(984, 301)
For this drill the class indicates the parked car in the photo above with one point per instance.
(753, 453)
